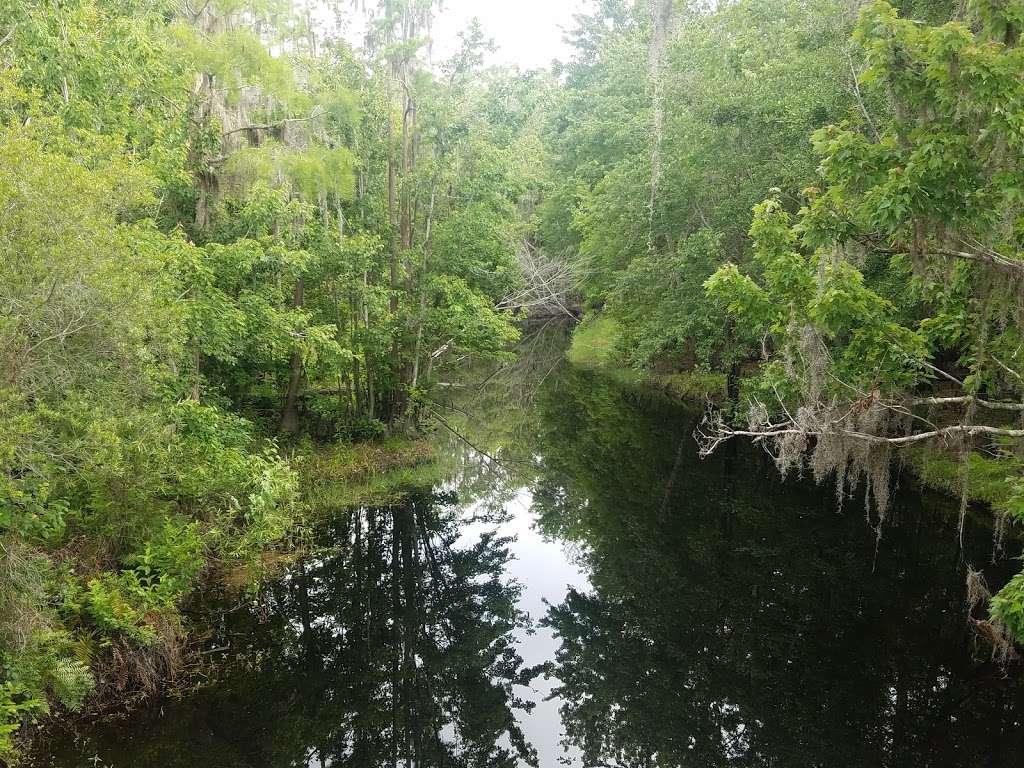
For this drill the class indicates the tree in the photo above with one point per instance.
(197, 222)
(933, 195)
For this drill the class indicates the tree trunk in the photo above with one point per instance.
(371, 397)
(661, 17)
(421, 319)
(393, 220)
(357, 377)
(290, 414)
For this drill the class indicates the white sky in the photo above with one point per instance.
(546, 571)
(527, 32)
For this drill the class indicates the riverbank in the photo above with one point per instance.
(366, 474)
(594, 344)
(591, 541)
(175, 662)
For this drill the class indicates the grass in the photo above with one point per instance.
(594, 341)
(694, 385)
(367, 474)
(986, 477)
(594, 345)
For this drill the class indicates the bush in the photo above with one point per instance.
(15, 705)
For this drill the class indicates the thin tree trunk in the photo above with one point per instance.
(370, 392)
(661, 17)
(393, 221)
(357, 378)
(197, 358)
(290, 414)
(421, 320)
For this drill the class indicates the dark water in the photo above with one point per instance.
(698, 613)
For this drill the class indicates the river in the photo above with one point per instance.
(579, 588)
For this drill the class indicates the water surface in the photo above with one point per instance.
(581, 589)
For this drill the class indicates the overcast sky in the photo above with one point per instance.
(527, 32)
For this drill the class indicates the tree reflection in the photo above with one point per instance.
(490, 420)
(394, 649)
(739, 621)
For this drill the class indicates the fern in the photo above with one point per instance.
(71, 681)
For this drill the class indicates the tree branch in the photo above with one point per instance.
(968, 399)
(270, 126)
(709, 443)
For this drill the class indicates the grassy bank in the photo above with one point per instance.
(164, 643)
(335, 477)
(992, 480)
(596, 344)
(366, 474)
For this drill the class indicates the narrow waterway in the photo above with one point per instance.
(580, 589)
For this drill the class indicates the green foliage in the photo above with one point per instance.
(876, 292)
(869, 346)
(1007, 606)
(15, 705)
(28, 511)
(468, 319)
(219, 227)
(211, 234)
(117, 603)
(270, 511)
(659, 303)
(375, 472)
(595, 341)
(697, 385)
(986, 478)
(742, 89)
(158, 577)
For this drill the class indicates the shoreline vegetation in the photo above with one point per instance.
(228, 235)
(367, 474)
(596, 344)
(333, 478)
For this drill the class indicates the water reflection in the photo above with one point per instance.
(715, 616)
(396, 648)
(743, 622)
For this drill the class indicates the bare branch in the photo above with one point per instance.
(1008, 369)
(967, 400)
(854, 77)
(271, 126)
(709, 442)
(985, 255)
(551, 284)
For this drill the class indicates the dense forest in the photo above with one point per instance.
(230, 236)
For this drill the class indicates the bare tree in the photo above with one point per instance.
(550, 286)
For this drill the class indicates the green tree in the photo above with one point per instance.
(932, 195)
